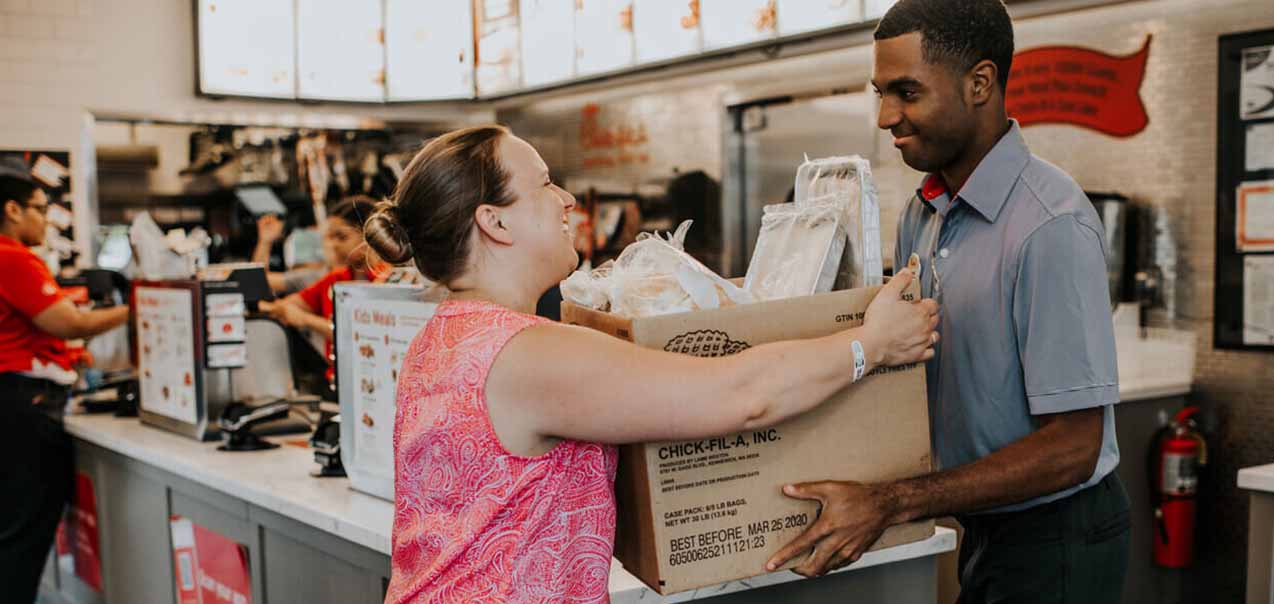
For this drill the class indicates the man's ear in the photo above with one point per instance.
(982, 80)
(491, 225)
(12, 212)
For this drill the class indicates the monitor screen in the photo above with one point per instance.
(260, 201)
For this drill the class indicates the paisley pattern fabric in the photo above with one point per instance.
(474, 523)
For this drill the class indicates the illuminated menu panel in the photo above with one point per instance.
(247, 48)
(548, 41)
(603, 35)
(428, 50)
(340, 50)
(800, 16)
(499, 59)
(736, 22)
(666, 29)
(875, 9)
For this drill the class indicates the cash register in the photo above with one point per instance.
(111, 382)
(202, 348)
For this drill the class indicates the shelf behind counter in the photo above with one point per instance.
(316, 540)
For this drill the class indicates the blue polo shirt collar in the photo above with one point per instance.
(988, 188)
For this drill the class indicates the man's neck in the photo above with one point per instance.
(983, 141)
(6, 231)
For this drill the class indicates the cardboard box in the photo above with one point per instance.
(699, 513)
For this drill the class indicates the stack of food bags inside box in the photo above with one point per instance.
(827, 239)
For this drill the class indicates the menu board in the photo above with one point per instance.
(736, 22)
(603, 35)
(166, 359)
(666, 29)
(548, 41)
(499, 59)
(382, 330)
(428, 50)
(800, 16)
(340, 51)
(875, 9)
(247, 48)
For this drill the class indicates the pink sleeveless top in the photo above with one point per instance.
(474, 523)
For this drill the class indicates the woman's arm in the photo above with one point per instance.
(556, 381)
(294, 311)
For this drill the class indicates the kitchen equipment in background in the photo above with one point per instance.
(1116, 213)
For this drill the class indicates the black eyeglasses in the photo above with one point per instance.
(43, 208)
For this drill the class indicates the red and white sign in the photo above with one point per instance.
(85, 548)
(1081, 87)
(1254, 217)
(208, 568)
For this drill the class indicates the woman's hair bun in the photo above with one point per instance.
(386, 236)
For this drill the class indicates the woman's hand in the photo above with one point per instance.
(269, 228)
(900, 332)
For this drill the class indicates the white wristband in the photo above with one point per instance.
(860, 360)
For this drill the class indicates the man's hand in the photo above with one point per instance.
(853, 516)
(288, 314)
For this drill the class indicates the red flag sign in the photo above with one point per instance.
(1079, 86)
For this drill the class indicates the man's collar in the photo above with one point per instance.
(989, 186)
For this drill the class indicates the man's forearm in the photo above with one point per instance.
(1060, 455)
(101, 320)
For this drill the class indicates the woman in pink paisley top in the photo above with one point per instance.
(504, 440)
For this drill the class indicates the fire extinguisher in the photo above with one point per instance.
(1177, 451)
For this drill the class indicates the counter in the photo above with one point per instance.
(1259, 481)
(322, 541)
(278, 493)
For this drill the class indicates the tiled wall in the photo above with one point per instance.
(1169, 167)
(1172, 166)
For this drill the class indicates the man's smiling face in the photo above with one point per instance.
(921, 103)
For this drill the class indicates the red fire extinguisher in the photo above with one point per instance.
(1177, 451)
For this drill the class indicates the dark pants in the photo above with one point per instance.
(36, 474)
(1071, 550)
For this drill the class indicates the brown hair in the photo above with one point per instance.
(431, 213)
(354, 209)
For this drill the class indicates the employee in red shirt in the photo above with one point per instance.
(311, 308)
(36, 374)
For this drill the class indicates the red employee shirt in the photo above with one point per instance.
(26, 290)
(318, 296)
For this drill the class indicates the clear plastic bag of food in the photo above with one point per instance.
(798, 251)
(655, 276)
(589, 288)
(847, 182)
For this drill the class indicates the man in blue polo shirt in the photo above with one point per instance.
(1022, 389)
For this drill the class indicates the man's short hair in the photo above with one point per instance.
(16, 189)
(16, 182)
(957, 33)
